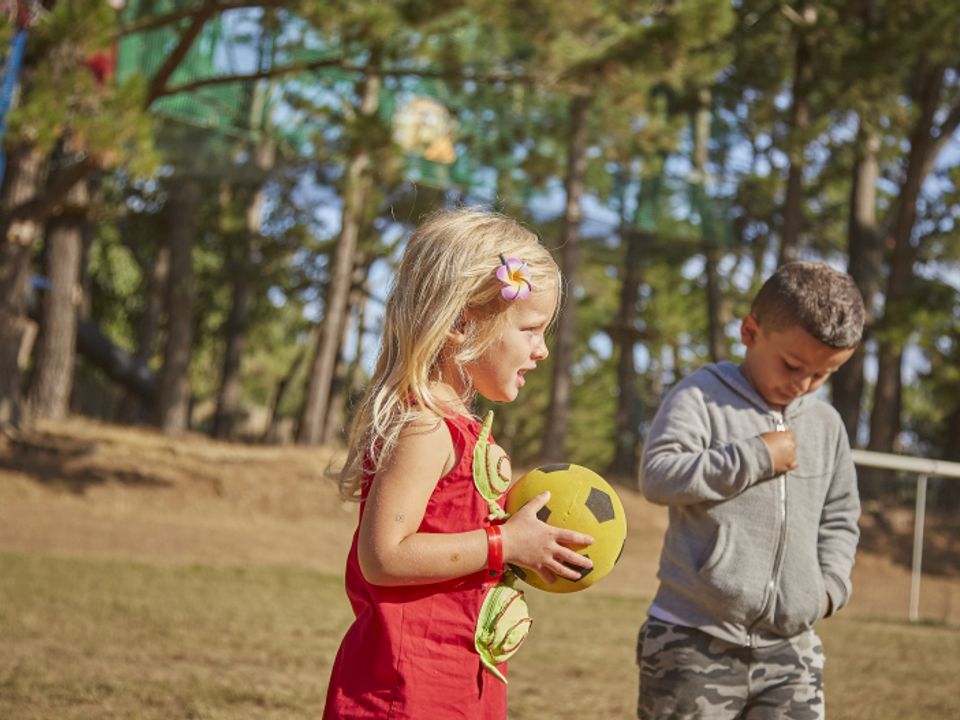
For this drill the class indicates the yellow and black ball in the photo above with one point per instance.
(580, 500)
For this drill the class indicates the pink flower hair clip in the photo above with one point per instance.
(515, 276)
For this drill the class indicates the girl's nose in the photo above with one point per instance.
(540, 352)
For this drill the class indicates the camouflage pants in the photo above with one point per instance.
(685, 673)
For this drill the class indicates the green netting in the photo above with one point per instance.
(223, 108)
(214, 114)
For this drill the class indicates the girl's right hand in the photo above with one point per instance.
(533, 544)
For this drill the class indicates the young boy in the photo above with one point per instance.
(763, 510)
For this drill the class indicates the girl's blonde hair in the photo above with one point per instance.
(448, 266)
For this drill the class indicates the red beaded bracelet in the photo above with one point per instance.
(494, 551)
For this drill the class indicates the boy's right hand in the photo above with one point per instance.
(782, 446)
(533, 544)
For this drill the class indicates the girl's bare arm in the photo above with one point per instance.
(392, 552)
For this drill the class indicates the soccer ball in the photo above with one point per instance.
(580, 500)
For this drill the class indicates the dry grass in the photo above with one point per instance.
(149, 577)
(116, 639)
(87, 638)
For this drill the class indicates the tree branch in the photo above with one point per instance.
(41, 206)
(923, 148)
(802, 21)
(947, 130)
(159, 80)
(343, 65)
(156, 21)
(259, 75)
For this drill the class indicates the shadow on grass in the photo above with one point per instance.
(61, 462)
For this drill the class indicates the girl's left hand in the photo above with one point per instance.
(533, 544)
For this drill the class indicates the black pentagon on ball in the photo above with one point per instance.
(518, 571)
(555, 467)
(543, 513)
(580, 569)
(600, 504)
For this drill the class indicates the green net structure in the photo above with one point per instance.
(223, 108)
(201, 126)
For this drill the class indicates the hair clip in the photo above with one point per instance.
(515, 276)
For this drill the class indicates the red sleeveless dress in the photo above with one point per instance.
(410, 654)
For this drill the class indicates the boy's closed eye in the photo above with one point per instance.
(799, 369)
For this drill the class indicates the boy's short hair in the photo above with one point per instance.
(823, 301)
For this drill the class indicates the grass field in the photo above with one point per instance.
(95, 638)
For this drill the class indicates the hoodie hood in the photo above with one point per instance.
(729, 374)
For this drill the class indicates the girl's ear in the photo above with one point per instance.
(457, 335)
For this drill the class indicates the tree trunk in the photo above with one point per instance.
(135, 408)
(865, 248)
(799, 121)
(342, 386)
(333, 423)
(556, 424)
(21, 182)
(355, 379)
(625, 335)
(948, 497)
(271, 432)
(241, 267)
(123, 369)
(356, 190)
(885, 425)
(715, 316)
(52, 380)
(173, 400)
(230, 393)
(885, 418)
(716, 338)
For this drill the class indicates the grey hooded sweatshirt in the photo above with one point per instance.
(749, 557)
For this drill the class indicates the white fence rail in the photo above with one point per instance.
(924, 468)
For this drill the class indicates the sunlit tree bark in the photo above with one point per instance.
(55, 354)
(355, 193)
(556, 425)
(173, 400)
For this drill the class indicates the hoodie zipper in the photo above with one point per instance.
(771, 587)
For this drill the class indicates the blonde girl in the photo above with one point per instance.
(466, 315)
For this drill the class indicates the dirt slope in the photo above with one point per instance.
(84, 488)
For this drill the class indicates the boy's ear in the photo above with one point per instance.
(749, 330)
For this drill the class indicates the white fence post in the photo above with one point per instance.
(923, 467)
(919, 517)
